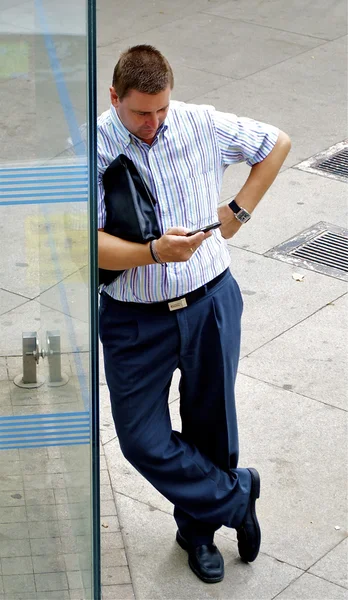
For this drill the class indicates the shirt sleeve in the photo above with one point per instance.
(243, 140)
(101, 204)
(101, 166)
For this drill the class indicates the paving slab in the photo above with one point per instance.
(45, 137)
(326, 21)
(6, 408)
(138, 18)
(292, 96)
(17, 566)
(70, 296)
(8, 301)
(51, 244)
(11, 499)
(159, 567)
(10, 3)
(334, 566)
(20, 583)
(14, 547)
(297, 200)
(299, 446)
(23, 16)
(16, 136)
(273, 300)
(19, 264)
(310, 358)
(107, 427)
(197, 37)
(117, 592)
(308, 587)
(3, 369)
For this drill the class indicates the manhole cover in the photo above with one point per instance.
(332, 162)
(322, 248)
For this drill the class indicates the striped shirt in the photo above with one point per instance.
(183, 168)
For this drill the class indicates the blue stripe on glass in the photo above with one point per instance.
(44, 445)
(81, 414)
(31, 202)
(58, 168)
(40, 187)
(81, 427)
(45, 422)
(40, 195)
(9, 180)
(43, 434)
(49, 173)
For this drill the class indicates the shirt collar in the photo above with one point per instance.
(123, 131)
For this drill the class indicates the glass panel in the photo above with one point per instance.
(49, 520)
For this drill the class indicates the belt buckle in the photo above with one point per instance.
(177, 304)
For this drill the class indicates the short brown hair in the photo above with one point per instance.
(142, 68)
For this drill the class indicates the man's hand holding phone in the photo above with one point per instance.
(178, 244)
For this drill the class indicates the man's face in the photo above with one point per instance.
(142, 114)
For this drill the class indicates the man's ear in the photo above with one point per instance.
(114, 97)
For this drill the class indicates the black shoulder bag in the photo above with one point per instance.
(129, 204)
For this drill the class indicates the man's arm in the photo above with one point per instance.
(260, 179)
(118, 254)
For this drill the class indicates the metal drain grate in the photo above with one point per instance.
(322, 248)
(332, 163)
(336, 164)
(327, 249)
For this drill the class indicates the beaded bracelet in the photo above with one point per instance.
(154, 254)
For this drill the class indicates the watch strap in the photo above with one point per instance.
(234, 206)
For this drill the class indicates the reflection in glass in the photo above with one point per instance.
(45, 411)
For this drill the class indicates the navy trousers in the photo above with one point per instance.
(196, 469)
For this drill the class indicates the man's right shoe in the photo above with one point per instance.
(249, 532)
(205, 561)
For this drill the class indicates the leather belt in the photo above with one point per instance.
(175, 303)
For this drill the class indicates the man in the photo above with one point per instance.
(176, 305)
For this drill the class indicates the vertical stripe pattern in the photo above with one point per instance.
(183, 168)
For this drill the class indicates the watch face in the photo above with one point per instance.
(243, 216)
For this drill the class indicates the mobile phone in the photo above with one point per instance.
(205, 229)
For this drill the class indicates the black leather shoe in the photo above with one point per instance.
(205, 561)
(249, 532)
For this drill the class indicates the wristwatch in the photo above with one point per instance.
(241, 214)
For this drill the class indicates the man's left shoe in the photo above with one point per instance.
(206, 561)
(249, 532)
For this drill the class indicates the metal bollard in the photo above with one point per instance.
(31, 356)
(53, 353)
